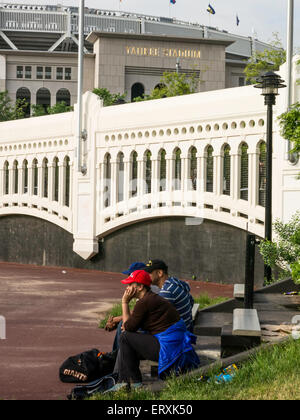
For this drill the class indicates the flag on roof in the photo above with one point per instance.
(173, 1)
(237, 20)
(211, 10)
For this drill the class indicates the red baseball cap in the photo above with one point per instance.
(138, 276)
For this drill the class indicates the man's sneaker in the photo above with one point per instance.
(136, 385)
(117, 387)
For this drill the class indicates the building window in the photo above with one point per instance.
(244, 172)
(23, 94)
(59, 73)
(48, 73)
(68, 73)
(63, 95)
(28, 72)
(209, 169)
(43, 97)
(40, 72)
(137, 90)
(20, 72)
(226, 170)
(241, 81)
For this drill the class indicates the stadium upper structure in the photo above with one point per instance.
(55, 28)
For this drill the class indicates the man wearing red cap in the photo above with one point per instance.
(165, 340)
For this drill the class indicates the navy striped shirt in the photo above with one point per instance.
(177, 292)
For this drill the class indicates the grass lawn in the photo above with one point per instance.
(271, 374)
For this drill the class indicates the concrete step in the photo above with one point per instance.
(239, 291)
(246, 322)
(211, 323)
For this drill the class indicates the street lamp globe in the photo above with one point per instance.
(269, 83)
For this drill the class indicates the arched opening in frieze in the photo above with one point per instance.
(15, 177)
(148, 172)
(120, 177)
(226, 170)
(67, 179)
(192, 184)
(133, 174)
(35, 174)
(6, 178)
(262, 173)
(45, 177)
(56, 179)
(209, 181)
(25, 176)
(162, 170)
(177, 169)
(107, 180)
(244, 171)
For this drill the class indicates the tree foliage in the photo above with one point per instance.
(58, 108)
(108, 97)
(9, 111)
(172, 84)
(269, 59)
(290, 126)
(284, 252)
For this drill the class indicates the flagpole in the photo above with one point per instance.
(80, 83)
(292, 157)
(289, 49)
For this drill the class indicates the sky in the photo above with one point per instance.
(263, 17)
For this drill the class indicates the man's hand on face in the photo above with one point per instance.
(129, 294)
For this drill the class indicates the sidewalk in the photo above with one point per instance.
(52, 313)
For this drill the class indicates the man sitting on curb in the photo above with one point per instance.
(165, 338)
(175, 291)
(115, 322)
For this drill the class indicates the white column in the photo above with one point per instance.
(114, 181)
(40, 180)
(127, 183)
(62, 183)
(236, 176)
(252, 179)
(1, 181)
(169, 180)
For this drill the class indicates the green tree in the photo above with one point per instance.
(290, 126)
(9, 111)
(172, 84)
(262, 61)
(58, 108)
(108, 97)
(284, 252)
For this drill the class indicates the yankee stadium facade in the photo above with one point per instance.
(124, 52)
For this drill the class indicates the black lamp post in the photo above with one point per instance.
(269, 82)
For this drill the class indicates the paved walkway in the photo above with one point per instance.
(52, 313)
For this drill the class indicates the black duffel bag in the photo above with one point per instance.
(87, 366)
